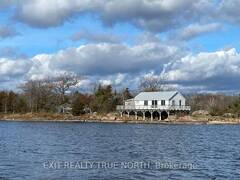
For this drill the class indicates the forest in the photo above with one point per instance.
(36, 96)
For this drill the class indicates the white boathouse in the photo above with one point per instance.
(154, 105)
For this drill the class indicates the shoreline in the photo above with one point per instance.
(128, 122)
(113, 118)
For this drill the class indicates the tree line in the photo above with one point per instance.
(215, 104)
(49, 94)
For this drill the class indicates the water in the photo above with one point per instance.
(31, 150)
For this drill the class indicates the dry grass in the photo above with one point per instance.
(111, 117)
(34, 116)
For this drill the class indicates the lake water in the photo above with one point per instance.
(44, 150)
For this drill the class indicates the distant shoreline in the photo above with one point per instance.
(113, 118)
(129, 122)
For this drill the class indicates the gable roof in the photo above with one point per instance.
(161, 95)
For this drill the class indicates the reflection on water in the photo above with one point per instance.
(31, 150)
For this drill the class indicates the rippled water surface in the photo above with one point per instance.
(118, 151)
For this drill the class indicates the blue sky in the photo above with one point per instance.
(224, 38)
(120, 43)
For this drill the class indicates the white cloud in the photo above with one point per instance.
(229, 10)
(103, 61)
(12, 69)
(49, 13)
(152, 15)
(106, 59)
(120, 79)
(195, 30)
(124, 66)
(41, 68)
(214, 70)
(105, 82)
(12, 52)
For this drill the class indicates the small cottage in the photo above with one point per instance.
(155, 103)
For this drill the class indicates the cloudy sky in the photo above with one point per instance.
(193, 44)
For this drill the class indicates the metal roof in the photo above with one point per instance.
(161, 95)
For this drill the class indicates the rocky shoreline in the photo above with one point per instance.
(115, 118)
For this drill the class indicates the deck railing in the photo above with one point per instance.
(152, 107)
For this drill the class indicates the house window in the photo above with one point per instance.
(173, 102)
(145, 103)
(162, 102)
(154, 102)
(180, 103)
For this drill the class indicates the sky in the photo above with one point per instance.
(193, 45)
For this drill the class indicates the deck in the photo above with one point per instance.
(152, 107)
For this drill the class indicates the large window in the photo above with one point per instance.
(180, 103)
(145, 103)
(162, 102)
(173, 102)
(154, 103)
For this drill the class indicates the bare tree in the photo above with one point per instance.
(216, 104)
(152, 83)
(4, 101)
(63, 83)
(30, 91)
(39, 94)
